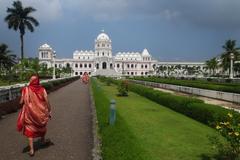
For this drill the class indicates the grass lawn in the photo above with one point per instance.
(145, 130)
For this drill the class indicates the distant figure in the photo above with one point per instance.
(35, 112)
(85, 78)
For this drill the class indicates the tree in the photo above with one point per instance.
(7, 60)
(229, 47)
(212, 65)
(18, 19)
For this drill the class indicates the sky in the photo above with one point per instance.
(171, 30)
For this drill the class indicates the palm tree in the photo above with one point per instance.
(18, 19)
(7, 60)
(212, 65)
(229, 47)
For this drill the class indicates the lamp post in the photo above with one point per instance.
(54, 56)
(231, 65)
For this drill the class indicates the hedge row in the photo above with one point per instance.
(52, 85)
(194, 108)
(224, 87)
(13, 105)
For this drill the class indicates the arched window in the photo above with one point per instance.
(80, 65)
(145, 66)
(131, 65)
(85, 65)
(97, 66)
(118, 65)
(104, 65)
(68, 65)
(103, 53)
(90, 65)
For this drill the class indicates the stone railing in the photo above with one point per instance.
(8, 93)
(226, 96)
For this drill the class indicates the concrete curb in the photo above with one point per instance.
(96, 151)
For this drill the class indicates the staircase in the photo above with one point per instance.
(106, 72)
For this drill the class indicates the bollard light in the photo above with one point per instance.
(112, 114)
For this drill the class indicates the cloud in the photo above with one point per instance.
(213, 14)
(47, 10)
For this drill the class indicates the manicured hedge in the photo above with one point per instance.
(191, 107)
(225, 87)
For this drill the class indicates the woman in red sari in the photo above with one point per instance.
(85, 78)
(35, 113)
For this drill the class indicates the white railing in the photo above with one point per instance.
(11, 92)
(226, 96)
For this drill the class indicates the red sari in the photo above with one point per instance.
(34, 115)
(85, 78)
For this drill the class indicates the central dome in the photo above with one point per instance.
(103, 36)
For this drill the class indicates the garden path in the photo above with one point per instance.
(70, 129)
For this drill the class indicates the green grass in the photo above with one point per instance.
(145, 130)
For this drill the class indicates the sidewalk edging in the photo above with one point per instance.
(96, 151)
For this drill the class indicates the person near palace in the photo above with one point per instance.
(35, 113)
(85, 78)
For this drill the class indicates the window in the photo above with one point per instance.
(85, 65)
(135, 73)
(90, 65)
(111, 66)
(103, 45)
(55, 65)
(131, 73)
(128, 66)
(76, 65)
(80, 73)
(135, 65)
(89, 73)
(98, 45)
(128, 73)
(131, 65)
(98, 53)
(118, 65)
(80, 65)
(145, 73)
(97, 66)
(76, 73)
(141, 73)
(103, 53)
(142, 66)
(145, 66)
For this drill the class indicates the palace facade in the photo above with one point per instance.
(101, 60)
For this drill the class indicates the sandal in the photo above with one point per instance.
(31, 154)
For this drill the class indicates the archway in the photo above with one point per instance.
(104, 65)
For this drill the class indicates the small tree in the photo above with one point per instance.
(123, 88)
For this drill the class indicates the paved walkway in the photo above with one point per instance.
(70, 129)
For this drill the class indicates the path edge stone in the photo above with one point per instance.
(96, 151)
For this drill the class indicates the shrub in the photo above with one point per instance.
(123, 88)
(230, 129)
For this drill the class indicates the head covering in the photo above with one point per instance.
(34, 84)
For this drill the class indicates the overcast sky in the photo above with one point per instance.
(183, 30)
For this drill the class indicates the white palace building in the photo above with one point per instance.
(101, 61)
